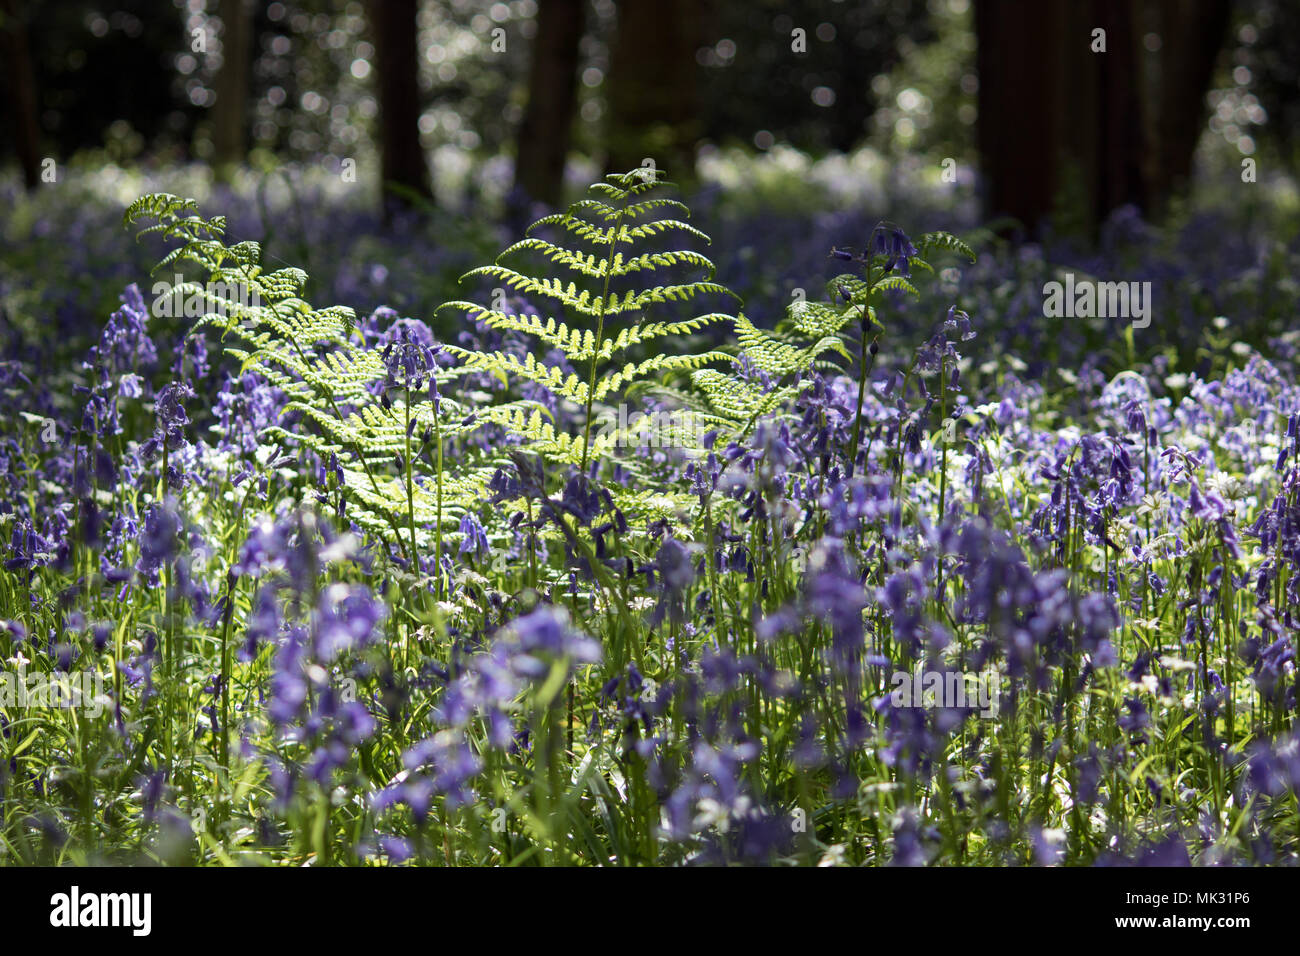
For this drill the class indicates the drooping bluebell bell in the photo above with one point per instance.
(892, 243)
(170, 410)
(474, 541)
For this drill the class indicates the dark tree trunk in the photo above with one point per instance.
(403, 168)
(230, 115)
(543, 142)
(1019, 131)
(1060, 126)
(1074, 134)
(22, 91)
(652, 96)
(1192, 32)
(1104, 128)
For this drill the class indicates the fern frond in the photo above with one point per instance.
(529, 368)
(895, 283)
(631, 372)
(589, 243)
(946, 241)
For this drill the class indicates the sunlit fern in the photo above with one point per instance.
(322, 364)
(329, 374)
(604, 295)
(812, 335)
(602, 303)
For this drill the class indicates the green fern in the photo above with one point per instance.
(941, 241)
(812, 335)
(602, 299)
(331, 377)
(610, 281)
(316, 357)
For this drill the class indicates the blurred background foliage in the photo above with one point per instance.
(385, 146)
(132, 81)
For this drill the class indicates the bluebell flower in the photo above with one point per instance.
(892, 243)
(171, 414)
(474, 541)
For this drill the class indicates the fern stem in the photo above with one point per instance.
(862, 375)
(608, 269)
(617, 596)
(437, 530)
(943, 466)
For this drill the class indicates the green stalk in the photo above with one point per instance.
(862, 380)
(600, 335)
(437, 530)
(410, 481)
(168, 646)
(943, 465)
(227, 614)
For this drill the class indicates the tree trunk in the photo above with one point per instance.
(1109, 137)
(403, 168)
(653, 102)
(1060, 126)
(230, 114)
(543, 142)
(22, 91)
(1019, 131)
(1192, 32)
(1068, 132)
